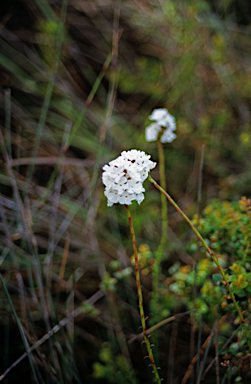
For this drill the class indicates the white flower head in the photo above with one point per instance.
(162, 121)
(123, 177)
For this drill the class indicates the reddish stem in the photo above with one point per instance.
(141, 309)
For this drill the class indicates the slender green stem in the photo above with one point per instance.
(163, 185)
(210, 252)
(141, 309)
(163, 241)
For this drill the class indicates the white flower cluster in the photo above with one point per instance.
(123, 177)
(162, 120)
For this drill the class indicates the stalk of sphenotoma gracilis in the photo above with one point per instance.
(162, 174)
(141, 309)
(164, 230)
(161, 130)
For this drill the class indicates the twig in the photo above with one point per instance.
(49, 160)
(160, 324)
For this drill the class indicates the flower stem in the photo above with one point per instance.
(163, 241)
(163, 185)
(210, 252)
(141, 309)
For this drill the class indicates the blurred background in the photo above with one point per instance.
(78, 80)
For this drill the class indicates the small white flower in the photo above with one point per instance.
(123, 177)
(162, 116)
(152, 132)
(168, 136)
(163, 121)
